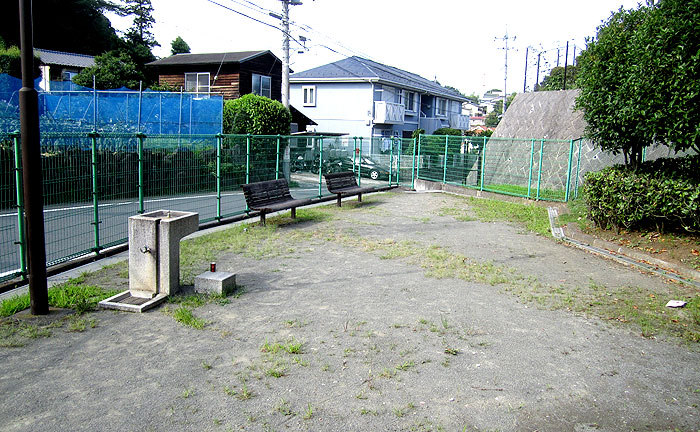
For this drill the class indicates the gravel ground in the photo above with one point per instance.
(375, 345)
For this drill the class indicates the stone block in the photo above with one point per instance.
(222, 283)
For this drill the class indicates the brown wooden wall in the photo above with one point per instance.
(233, 80)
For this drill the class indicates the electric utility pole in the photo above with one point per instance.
(31, 167)
(505, 38)
(285, 49)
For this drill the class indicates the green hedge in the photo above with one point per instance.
(663, 194)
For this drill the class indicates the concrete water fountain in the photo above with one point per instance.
(154, 258)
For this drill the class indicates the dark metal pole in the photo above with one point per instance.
(525, 80)
(566, 62)
(31, 164)
(537, 80)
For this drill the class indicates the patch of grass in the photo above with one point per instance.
(188, 392)
(16, 334)
(284, 408)
(184, 316)
(291, 346)
(403, 410)
(405, 366)
(522, 191)
(308, 412)
(73, 294)
(206, 365)
(425, 425)
(534, 218)
(367, 411)
(451, 351)
(77, 323)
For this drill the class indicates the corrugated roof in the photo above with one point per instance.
(211, 58)
(64, 59)
(358, 68)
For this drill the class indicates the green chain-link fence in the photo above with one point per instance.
(94, 182)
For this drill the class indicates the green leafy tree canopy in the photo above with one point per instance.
(179, 46)
(638, 80)
(111, 70)
(555, 79)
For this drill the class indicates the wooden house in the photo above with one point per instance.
(230, 74)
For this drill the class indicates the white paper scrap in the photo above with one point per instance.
(675, 303)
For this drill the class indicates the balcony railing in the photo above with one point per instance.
(388, 113)
(459, 121)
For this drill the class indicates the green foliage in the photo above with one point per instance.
(492, 119)
(555, 79)
(73, 294)
(140, 31)
(663, 194)
(77, 26)
(111, 70)
(638, 80)
(179, 46)
(256, 115)
(447, 131)
(11, 62)
(418, 132)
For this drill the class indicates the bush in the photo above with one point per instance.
(663, 194)
(256, 115)
(447, 131)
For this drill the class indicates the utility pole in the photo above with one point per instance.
(566, 63)
(285, 49)
(505, 38)
(31, 167)
(527, 50)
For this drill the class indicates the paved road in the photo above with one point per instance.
(70, 230)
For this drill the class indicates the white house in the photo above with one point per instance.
(364, 98)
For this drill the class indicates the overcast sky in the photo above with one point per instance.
(459, 42)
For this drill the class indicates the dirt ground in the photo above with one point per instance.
(334, 333)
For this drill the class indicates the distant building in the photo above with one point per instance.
(60, 67)
(231, 74)
(364, 98)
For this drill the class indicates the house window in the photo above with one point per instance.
(410, 101)
(441, 108)
(309, 95)
(262, 85)
(398, 97)
(197, 82)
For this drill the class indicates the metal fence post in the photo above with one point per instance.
(21, 240)
(398, 163)
(483, 163)
(539, 169)
(578, 168)
(219, 144)
(419, 157)
(444, 163)
(277, 161)
(139, 148)
(359, 163)
(247, 165)
(320, 167)
(95, 207)
(532, 161)
(391, 160)
(413, 164)
(568, 171)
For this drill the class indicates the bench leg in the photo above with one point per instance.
(262, 218)
(294, 212)
(338, 203)
(359, 197)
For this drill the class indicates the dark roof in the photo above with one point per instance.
(358, 68)
(64, 59)
(213, 58)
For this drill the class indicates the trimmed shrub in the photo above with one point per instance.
(663, 194)
(447, 131)
(256, 115)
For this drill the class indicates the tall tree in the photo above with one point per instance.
(140, 31)
(179, 46)
(77, 26)
(638, 79)
(555, 79)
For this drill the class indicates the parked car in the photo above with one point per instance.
(368, 167)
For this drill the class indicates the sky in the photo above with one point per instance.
(460, 43)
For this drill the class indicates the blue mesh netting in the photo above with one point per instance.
(69, 107)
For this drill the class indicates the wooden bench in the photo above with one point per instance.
(271, 196)
(344, 184)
